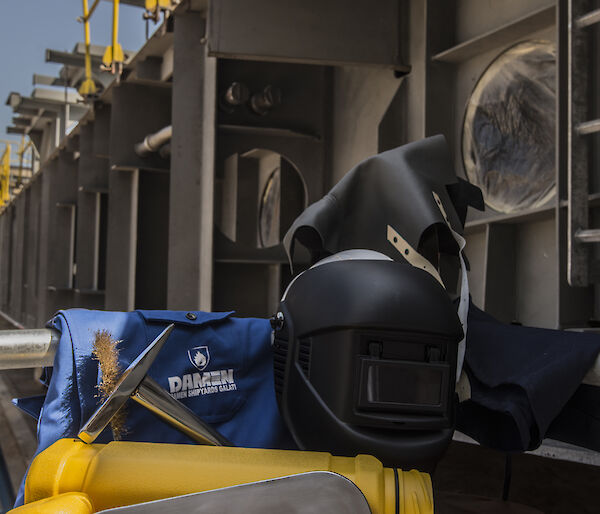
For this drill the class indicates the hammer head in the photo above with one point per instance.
(126, 386)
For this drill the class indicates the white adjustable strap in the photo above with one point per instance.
(411, 255)
(419, 261)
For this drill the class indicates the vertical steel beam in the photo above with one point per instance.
(88, 214)
(88, 240)
(426, 92)
(44, 242)
(576, 70)
(439, 76)
(26, 196)
(32, 257)
(413, 87)
(574, 305)
(101, 141)
(62, 213)
(122, 239)
(16, 286)
(7, 216)
(192, 167)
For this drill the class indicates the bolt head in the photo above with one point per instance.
(277, 321)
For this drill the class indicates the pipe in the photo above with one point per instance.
(153, 142)
(28, 348)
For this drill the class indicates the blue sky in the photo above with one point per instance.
(28, 27)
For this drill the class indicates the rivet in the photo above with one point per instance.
(191, 316)
(406, 252)
(277, 321)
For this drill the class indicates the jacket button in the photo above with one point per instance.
(191, 316)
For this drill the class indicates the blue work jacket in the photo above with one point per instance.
(219, 366)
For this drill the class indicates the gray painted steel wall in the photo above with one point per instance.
(333, 115)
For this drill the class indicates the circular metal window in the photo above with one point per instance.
(509, 128)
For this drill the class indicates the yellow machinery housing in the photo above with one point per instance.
(93, 477)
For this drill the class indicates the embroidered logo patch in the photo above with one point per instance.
(199, 357)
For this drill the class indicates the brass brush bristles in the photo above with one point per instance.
(106, 352)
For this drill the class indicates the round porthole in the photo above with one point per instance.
(508, 133)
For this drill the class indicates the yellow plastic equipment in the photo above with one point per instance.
(126, 473)
(73, 503)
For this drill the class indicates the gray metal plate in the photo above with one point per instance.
(305, 493)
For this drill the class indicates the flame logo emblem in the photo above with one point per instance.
(199, 357)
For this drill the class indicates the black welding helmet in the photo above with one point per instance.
(365, 360)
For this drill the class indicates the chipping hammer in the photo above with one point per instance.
(34, 348)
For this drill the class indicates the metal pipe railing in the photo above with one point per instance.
(21, 349)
